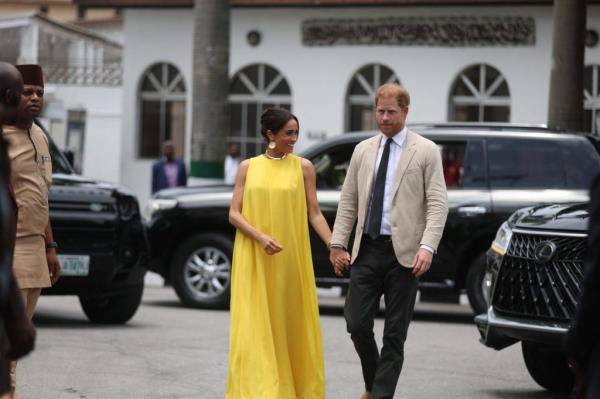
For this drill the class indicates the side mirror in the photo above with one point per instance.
(70, 155)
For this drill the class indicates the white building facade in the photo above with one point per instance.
(487, 63)
(83, 92)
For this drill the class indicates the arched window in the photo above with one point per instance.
(360, 97)
(591, 99)
(161, 110)
(479, 94)
(253, 89)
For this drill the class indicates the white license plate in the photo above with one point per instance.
(74, 265)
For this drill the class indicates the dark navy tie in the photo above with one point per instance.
(376, 212)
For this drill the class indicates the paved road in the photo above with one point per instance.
(168, 351)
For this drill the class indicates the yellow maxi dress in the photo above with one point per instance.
(275, 346)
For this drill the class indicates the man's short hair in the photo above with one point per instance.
(395, 90)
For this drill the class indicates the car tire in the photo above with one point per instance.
(201, 271)
(548, 367)
(474, 285)
(117, 309)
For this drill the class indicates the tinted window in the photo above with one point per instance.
(525, 163)
(453, 157)
(474, 166)
(331, 166)
(582, 162)
(59, 162)
(463, 163)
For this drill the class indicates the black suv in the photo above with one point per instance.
(101, 240)
(490, 171)
(535, 268)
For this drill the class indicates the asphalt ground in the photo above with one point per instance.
(169, 351)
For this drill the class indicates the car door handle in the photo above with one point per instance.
(470, 211)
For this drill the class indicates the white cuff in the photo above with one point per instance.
(427, 248)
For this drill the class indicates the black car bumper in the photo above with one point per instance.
(498, 331)
(103, 280)
(115, 264)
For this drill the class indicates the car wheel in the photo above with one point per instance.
(475, 285)
(201, 271)
(114, 309)
(548, 367)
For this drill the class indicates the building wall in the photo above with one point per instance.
(12, 9)
(148, 41)
(319, 76)
(59, 12)
(63, 13)
(102, 138)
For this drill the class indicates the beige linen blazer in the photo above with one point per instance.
(419, 200)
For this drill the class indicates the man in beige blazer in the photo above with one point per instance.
(395, 193)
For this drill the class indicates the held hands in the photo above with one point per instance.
(340, 260)
(53, 265)
(269, 244)
(422, 262)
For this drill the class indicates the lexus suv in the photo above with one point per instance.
(535, 267)
(102, 245)
(491, 170)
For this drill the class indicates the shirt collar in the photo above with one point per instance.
(398, 138)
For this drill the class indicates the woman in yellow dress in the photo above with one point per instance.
(275, 346)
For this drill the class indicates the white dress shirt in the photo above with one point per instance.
(390, 177)
(230, 167)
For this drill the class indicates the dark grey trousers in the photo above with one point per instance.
(376, 272)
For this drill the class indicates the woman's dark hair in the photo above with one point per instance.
(274, 119)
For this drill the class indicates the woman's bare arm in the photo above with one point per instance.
(237, 219)
(315, 216)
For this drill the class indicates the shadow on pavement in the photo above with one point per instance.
(516, 394)
(49, 319)
(426, 315)
(423, 312)
(54, 320)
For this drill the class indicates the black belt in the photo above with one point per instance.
(380, 238)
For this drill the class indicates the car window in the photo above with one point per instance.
(59, 162)
(520, 163)
(453, 158)
(331, 166)
(474, 166)
(582, 162)
(463, 163)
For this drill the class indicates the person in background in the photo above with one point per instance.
(232, 162)
(35, 261)
(168, 172)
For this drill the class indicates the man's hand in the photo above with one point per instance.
(53, 265)
(422, 262)
(340, 260)
(269, 244)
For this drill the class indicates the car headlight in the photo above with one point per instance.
(502, 239)
(159, 204)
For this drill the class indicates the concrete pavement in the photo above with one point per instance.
(168, 351)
